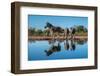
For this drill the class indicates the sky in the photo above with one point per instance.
(39, 21)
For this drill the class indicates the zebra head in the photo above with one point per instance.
(48, 25)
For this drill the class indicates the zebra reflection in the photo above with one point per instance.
(66, 45)
(72, 45)
(54, 48)
(69, 45)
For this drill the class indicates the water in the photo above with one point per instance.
(57, 49)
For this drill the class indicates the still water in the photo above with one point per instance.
(57, 49)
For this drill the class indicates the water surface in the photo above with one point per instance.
(57, 49)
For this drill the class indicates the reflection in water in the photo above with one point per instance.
(57, 49)
(72, 45)
(31, 41)
(54, 48)
(68, 45)
(81, 42)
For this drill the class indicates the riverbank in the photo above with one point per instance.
(50, 38)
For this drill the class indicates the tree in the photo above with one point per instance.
(80, 28)
(31, 31)
(39, 32)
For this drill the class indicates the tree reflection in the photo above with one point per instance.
(81, 41)
(31, 41)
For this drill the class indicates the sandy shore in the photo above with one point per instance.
(49, 38)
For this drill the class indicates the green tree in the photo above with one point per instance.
(39, 32)
(80, 28)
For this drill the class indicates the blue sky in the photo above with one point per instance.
(39, 21)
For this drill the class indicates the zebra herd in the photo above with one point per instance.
(56, 31)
